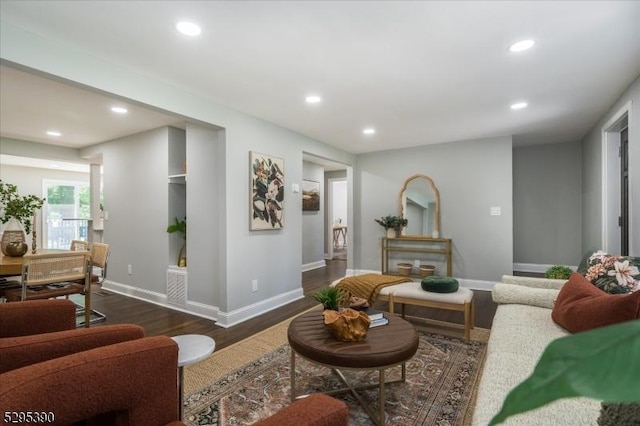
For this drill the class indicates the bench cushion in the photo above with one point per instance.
(413, 290)
(439, 284)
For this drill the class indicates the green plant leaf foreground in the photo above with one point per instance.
(603, 363)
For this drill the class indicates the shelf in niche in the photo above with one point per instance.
(179, 179)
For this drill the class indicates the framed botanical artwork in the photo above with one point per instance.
(310, 195)
(267, 192)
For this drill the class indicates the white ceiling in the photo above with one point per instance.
(418, 72)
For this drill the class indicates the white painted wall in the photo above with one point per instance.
(472, 176)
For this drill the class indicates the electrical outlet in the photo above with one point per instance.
(130, 269)
(416, 263)
(254, 285)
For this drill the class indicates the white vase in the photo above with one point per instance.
(391, 233)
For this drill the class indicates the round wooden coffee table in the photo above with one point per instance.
(385, 347)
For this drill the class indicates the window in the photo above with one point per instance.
(65, 213)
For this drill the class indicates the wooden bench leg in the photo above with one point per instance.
(391, 303)
(468, 320)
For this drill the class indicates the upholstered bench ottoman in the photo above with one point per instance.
(411, 293)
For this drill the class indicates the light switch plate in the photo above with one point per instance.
(295, 188)
(496, 211)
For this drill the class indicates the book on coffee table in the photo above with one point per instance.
(374, 314)
(378, 322)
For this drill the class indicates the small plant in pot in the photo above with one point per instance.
(392, 224)
(329, 297)
(181, 227)
(558, 272)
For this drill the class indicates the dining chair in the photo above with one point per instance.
(99, 258)
(51, 275)
(79, 245)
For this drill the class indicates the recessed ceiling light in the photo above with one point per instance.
(188, 28)
(54, 133)
(519, 105)
(54, 166)
(521, 45)
(119, 110)
(369, 131)
(313, 99)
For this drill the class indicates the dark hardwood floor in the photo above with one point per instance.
(158, 320)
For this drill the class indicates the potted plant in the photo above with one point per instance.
(329, 297)
(392, 224)
(20, 210)
(558, 272)
(181, 227)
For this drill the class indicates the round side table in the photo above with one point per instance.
(192, 348)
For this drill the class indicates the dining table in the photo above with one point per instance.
(12, 266)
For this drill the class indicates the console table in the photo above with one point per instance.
(418, 245)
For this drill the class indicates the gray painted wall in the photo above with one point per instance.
(472, 176)
(313, 222)
(592, 173)
(205, 215)
(135, 189)
(547, 204)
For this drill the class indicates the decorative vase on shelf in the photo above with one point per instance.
(391, 233)
(13, 242)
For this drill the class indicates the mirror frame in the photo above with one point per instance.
(436, 225)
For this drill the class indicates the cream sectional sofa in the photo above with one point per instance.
(522, 328)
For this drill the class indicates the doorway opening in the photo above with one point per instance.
(338, 217)
(326, 233)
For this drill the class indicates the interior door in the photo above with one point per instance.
(624, 192)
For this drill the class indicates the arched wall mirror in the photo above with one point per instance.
(419, 203)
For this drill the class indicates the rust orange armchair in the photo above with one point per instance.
(39, 330)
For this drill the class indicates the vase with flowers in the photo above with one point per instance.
(17, 213)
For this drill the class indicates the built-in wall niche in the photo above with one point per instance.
(177, 192)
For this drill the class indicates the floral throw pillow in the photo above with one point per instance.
(613, 274)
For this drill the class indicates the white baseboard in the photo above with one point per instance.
(313, 265)
(533, 267)
(194, 308)
(228, 319)
(223, 319)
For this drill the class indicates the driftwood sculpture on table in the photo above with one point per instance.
(347, 325)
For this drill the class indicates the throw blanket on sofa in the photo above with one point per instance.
(367, 286)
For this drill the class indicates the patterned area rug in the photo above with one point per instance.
(440, 382)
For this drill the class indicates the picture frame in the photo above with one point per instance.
(310, 195)
(266, 211)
